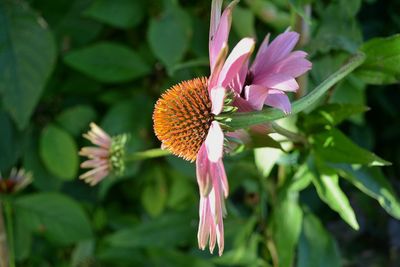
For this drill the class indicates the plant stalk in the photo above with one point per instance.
(4, 262)
(148, 154)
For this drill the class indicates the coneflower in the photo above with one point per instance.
(105, 158)
(16, 181)
(186, 122)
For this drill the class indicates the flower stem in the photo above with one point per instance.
(10, 231)
(240, 120)
(148, 154)
(295, 137)
(3, 240)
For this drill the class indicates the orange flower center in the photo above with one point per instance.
(182, 118)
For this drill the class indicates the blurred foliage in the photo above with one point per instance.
(66, 63)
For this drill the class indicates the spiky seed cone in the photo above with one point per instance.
(182, 117)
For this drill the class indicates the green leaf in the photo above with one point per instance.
(118, 13)
(59, 152)
(317, 248)
(10, 142)
(327, 184)
(168, 230)
(382, 63)
(76, 119)
(243, 22)
(83, 253)
(338, 28)
(335, 147)
(330, 115)
(241, 120)
(299, 7)
(27, 56)
(286, 228)
(372, 182)
(22, 236)
(43, 180)
(57, 216)
(107, 62)
(169, 35)
(154, 195)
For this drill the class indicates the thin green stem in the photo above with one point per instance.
(10, 231)
(148, 154)
(3, 240)
(295, 137)
(240, 120)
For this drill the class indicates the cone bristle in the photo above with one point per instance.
(182, 117)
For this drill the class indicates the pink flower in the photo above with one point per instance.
(272, 73)
(186, 122)
(210, 170)
(98, 156)
(17, 180)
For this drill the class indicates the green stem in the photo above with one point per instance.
(148, 154)
(240, 120)
(10, 231)
(3, 240)
(295, 137)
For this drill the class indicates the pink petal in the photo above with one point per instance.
(277, 50)
(278, 81)
(238, 81)
(219, 63)
(202, 171)
(256, 95)
(242, 104)
(217, 99)
(235, 61)
(214, 142)
(258, 60)
(219, 30)
(204, 223)
(215, 16)
(294, 65)
(278, 99)
(222, 175)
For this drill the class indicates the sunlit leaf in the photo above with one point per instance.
(335, 147)
(372, 182)
(382, 63)
(326, 182)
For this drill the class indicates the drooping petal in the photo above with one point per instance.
(215, 17)
(203, 171)
(214, 142)
(239, 80)
(204, 222)
(219, 30)
(222, 175)
(242, 104)
(279, 49)
(256, 95)
(235, 61)
(294, 65)
(278, 81)
(219, 63)
(217, 99)
(278, 99)
(259, 59)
